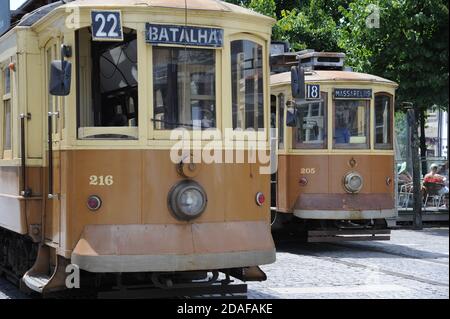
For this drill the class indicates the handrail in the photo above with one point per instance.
(50, 194)
(26, 191)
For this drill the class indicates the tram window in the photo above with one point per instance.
(184, 88)
(311, 124)
(5, 98)
(112, 98)
(247, 85)
(7, 81)
(7, 126)
(351, 124)
(383, 121)
(281, 101)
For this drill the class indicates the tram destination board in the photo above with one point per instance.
(5, 17)
(353, 94)
(183, 35)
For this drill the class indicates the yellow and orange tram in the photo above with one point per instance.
(91, 92)
(335, 178)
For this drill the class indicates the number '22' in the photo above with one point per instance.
(101, 30)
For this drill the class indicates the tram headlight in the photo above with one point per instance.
(187, 200)
(353, 182)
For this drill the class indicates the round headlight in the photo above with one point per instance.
(187, 200)
(353, 182)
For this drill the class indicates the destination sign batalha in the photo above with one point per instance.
(183, 35)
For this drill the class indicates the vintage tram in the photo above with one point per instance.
(91, 93)
(335, 178)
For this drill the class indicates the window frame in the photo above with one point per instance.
(157, 134)
(215, 96)
(384, 146)
(83, 133)
(239, 135)
(314, 146)
(281, 120)
(349, 146)
(6, 154)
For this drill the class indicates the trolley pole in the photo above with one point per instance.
(417, 188)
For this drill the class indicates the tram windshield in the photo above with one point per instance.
(108, 87)
(247, 85)
(383, 121)
(310, 130)
(351, 125)
(184, 88)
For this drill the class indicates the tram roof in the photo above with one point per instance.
(330, 75)
(204, 5)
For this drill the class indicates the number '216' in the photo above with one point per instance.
(101, 180)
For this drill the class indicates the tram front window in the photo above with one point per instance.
(247, 85)
(108, 87)
(383, 120)
(311, 125)
(351, 124)
(184, 88)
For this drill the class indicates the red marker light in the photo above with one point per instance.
(94, 202)
(260, 199)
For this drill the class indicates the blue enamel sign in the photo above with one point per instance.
(312, 91)
(183, 35)
(352, 93)
(106, 25)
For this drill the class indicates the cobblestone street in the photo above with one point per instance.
(414, 264)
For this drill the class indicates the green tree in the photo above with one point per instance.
(409, 47)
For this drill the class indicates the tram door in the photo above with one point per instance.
(273, 136)
(54, 122)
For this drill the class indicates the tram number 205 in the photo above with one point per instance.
(307, 171)
(101, 180)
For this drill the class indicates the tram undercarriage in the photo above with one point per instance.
(327, 230)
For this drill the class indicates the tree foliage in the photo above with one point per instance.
(410, 46)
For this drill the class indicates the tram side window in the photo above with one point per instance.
(311, 124)
(281, 101)
(351, 124)
(6, 121)
(108, 87)
(247, 85)
(383, 121)
(184, 88)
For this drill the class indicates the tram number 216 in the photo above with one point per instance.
(101, 180)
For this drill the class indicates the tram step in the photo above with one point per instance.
(320, 236)
(36, 282)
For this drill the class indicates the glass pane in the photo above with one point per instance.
(7, 126)
(281, 102)
(311, 125)
(108, 85)
(7, 77)
(382, 119)
(351, 123)
(184, 88)
(247, 85)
